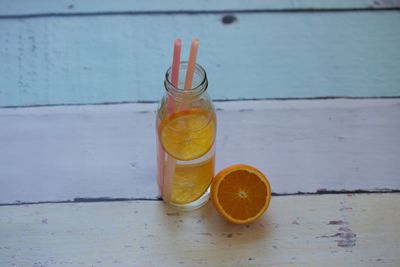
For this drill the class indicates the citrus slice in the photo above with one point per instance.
(191, 181)
(240, 193)
(188, 134)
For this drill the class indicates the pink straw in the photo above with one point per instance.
(191, 63)
(170, 167)
(176, 61)
(171, 106)
(175, 72)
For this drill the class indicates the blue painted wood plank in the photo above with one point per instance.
(21, 7)
(74, 60)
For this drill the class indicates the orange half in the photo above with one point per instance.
(240, 193)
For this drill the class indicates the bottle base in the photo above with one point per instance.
(198, 203)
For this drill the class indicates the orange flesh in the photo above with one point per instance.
(242, 189)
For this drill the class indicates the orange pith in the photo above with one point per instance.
(240, 193)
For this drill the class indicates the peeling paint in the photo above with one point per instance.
(172, 213)
(209, 234)
(347, 238)
(338, 222)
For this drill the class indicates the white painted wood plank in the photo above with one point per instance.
(104, 59)
(329, 230)
(65, 152)
(20, 7)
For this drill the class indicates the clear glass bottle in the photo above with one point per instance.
(186, 130)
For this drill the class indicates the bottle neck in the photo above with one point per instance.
(198, 88)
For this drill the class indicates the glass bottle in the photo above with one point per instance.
(186, 130)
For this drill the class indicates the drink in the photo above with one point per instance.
(192, 180)
(186, 143)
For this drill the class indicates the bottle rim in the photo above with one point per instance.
(196, 90)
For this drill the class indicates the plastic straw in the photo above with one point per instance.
(176, 61)
(175, 73)
(170, 167)
(192, 63)
(171, 105)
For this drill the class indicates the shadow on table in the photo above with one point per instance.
(203, 237)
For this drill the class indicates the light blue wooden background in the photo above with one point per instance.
(72, 52)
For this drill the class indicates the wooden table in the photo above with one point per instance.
(312, 230)
(78, 187)
(77, 183)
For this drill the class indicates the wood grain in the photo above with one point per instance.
(329, 230)
(123, 57)
(67, 152)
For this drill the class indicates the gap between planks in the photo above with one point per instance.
(74, 7)
(111, 199)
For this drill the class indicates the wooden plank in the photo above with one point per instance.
(16, 8)
(329, 230)
(98, 59)
(66, 152)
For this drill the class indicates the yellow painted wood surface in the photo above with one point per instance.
(316, 230)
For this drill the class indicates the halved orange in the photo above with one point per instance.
(188, 134)
(240, 193)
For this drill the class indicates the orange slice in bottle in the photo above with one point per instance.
(188, 134)
(240, 193)
(191, 181)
